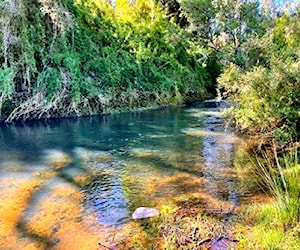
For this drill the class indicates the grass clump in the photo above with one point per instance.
(265, 229)
(282, 177)
(276, 224)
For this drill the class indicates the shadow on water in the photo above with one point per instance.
(88, 175)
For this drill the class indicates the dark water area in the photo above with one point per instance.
(110, 165)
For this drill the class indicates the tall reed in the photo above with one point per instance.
(281, 176)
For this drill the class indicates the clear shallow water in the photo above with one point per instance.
(75, 174)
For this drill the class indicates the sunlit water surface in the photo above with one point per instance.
(64, 183)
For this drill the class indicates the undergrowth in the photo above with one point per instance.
(72, 58)
(273, 224)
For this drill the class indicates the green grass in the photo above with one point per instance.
(267, 230)
(282, 176)
(275, 225)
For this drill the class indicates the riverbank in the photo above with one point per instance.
(76, 58)
(255, 226)
(103, 105)
(267, 216)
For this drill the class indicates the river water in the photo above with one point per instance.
(64, 183)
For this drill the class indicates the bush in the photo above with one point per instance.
(265, 96)
(78, 53)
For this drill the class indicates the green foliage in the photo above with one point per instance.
(7, 75)
(285, 187)
(49, 81)
(224, 25)
(6, 81)
(268, 231)
(91, 51)
(266, 94)
(275, 225)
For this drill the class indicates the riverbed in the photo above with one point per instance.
(74, 183)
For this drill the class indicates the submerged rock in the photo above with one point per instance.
(144, 212)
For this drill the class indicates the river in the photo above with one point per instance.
(66, 183)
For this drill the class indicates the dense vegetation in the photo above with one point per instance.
(70, 58)
(263, 88)
(265, 92)
(83, 57)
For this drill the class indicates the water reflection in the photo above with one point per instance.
(75, 177)
(105, 196)
(218, 150)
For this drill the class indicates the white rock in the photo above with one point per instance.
(144, 212)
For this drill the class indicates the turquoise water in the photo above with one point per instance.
(120, 162)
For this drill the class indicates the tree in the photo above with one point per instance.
(266, 94)
(224, 25)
